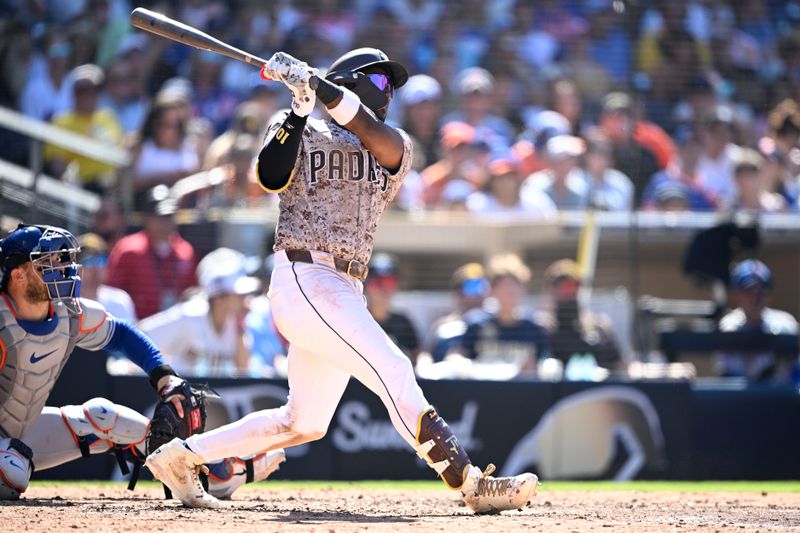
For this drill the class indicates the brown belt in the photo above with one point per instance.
(352, 268)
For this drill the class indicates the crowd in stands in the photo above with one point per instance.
(515, 108)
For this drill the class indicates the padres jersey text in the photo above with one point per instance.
(337, 194)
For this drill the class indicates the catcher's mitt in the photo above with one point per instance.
(165, 424)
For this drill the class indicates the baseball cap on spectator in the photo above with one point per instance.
(175, 89)
(670, 191)
(457, 191)
(563, 269)
(158, 201)
(470, 280)
(87, 76)
(751, 274)
(719, 114)
(420, 88)
(457, 133)
(382, 264)
(564, 146)
(475, 80)
(501, 167)
(617, 102)
(93, 250)
(223, 271)
(546, 124)
(132, 42)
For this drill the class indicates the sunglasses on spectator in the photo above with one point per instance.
(95, 261)
(381, 81)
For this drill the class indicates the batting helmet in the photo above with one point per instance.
(53, 250)
(348, 71)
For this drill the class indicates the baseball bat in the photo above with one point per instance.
(159, 24)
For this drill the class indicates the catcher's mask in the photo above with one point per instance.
(371, 88)
(53, 252)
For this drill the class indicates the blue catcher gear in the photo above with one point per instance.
(53, 251)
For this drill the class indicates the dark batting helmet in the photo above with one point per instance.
(348, 71)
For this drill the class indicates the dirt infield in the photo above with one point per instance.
(112, 508)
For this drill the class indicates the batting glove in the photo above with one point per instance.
(296, 75)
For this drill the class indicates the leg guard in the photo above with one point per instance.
(99, 425)
(16, 467)
(225, 476)
(439, 446)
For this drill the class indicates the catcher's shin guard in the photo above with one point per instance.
(16, 467)
(439, 446)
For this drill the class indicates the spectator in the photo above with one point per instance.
(206, 335)
(162, 155)
(475, 87)
(751, 190)
(94, 258)
(210, 99)
(86, 119)
(247, 119)
(379, 288)
(502, 195)
(122, 96)
(572, 328)
(563, 181)
(156, 265)
(464, 159)
(109, 222)
(640, 149)
(48, 90)
(719, 155)
(506, 335)
(269, 347)
(679, 187)
(609, 189)
(650, 49)
(470, 289)
(608, 41)
(750, 286)
(420, 97)
(780, 148)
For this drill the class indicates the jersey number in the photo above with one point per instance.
(281, 135)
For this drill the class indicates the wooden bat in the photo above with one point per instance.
(159, 24)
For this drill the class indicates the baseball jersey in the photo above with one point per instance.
(337, 193)
(33, 353)
(187, 338)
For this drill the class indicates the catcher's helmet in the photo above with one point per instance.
(348, 71)
(53, 250)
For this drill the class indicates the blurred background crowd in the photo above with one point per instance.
(516, 108)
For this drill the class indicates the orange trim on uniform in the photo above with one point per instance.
(80, 324)
(2, 354)
(10, 306)
(74, 436)
(7, 483)
(89, 418)
(274, 191)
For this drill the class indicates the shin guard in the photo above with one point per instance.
(439, 446)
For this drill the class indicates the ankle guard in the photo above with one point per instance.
(440, 448)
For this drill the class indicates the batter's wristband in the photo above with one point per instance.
(327, 92)
(347, 108)
(159, 372)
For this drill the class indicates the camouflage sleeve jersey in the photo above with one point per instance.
(337, 192)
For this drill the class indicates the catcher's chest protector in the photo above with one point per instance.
(30, 364)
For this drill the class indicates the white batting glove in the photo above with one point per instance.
(296, 75)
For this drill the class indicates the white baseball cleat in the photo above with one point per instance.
(230, 474)
(485, 494)
(178, 467)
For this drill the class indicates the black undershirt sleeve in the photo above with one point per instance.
(277, 159)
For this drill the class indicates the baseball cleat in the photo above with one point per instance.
(228, 475)
(485, 494)
(178, 467)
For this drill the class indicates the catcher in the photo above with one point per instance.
(42, 319)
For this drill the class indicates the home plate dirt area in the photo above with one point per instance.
(110, 507)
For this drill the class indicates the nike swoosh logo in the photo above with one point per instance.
(35, 359)
(12, 463)
(103, 410)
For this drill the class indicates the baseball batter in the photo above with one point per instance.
(335, 178)
(42, 319)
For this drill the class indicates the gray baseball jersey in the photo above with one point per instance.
(337, 193)
(32, 355)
